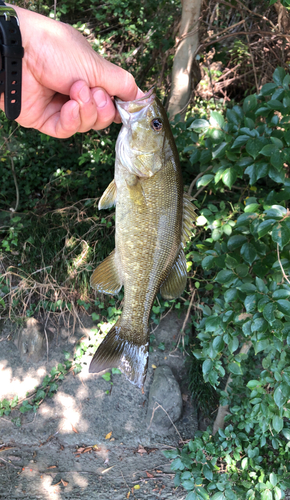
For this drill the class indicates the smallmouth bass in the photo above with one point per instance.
(153, 222)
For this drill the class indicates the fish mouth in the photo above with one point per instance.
(129, 108)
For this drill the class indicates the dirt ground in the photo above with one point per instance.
(84, 443)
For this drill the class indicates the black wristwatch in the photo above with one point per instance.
(11, 53)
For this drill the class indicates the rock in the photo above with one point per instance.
(30, 341)
(165, 392)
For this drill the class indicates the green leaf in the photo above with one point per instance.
(254, 147)
(207, 366)
(266, 495)
(188, 484)
(276, 176)
(236, 241)
(281, 294)
(268, 88)
(229, 177)
(218, 496)
(277, 423)
(257, 171)
(248, 252)
(233, 117)
(261, 285)
(284, 306)
(279, 398)
(219, 151)
(191, 495)
(225, 276)
(107, 376)
(208, 474)
(281, 234)
(240, 141)
(278, 76)
(208, 262)
(250, 303)
(199, 125)
(265, 227)
(177, 464)
(286, 433)
(216, 119)
(268, 312)
(204, 180)
(273, 479)
(116, 371)
(250, 103)
(235, 368)
(269, 149)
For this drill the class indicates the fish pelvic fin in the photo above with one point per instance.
(189, 216)
(175, 282)
(118, 350)
(108, 198)
(106, 277)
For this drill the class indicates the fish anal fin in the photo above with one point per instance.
(118, 350)
(189, 216)
(106, 277)
(175, 282)
(108, 198)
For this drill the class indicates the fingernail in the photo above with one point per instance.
(100, 98)
(85, 94)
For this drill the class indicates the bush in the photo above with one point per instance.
(241, 254)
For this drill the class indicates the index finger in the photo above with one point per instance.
(116, 81)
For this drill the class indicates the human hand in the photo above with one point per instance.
(66, 86)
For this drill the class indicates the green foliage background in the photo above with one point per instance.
(235, 161)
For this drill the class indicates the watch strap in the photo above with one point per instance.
(11, 52)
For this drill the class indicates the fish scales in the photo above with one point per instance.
(151, 218)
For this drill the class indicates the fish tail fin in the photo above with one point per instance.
(119, 350)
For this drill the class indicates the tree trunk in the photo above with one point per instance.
(184, 57)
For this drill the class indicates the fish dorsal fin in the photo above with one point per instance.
(106, 277)
(175, 282)
(108, 198)
(189, 215)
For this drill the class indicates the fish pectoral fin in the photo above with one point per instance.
(175, 283)
(108, 198)
(189, 216)
(148, 164)
(106, 277)
(118, 350)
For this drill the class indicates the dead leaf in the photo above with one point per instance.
(52, 467)
(74, 429)
(128, 494)
(109, 435)
(148, 474)
(141, 449)
(137, 487)
(65, 483)
(154, 366)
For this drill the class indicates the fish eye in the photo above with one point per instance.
(156, 124)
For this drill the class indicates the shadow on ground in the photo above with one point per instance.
(84, 443)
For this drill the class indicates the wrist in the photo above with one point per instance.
(11, 61)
